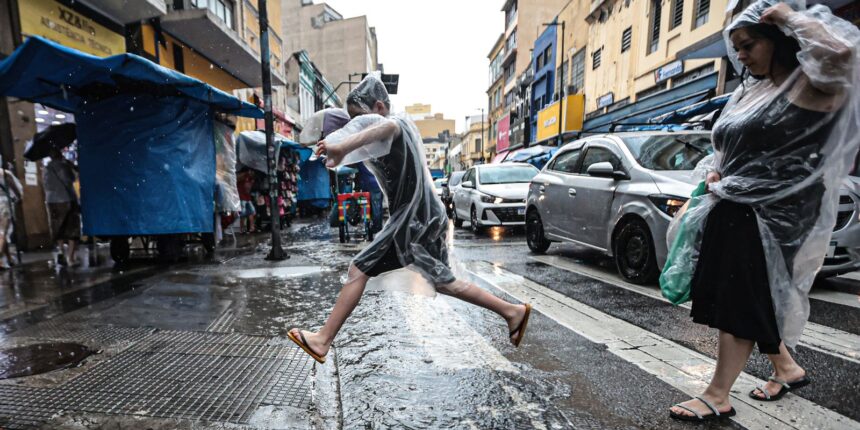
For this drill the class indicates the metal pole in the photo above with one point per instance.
(277, 252)
(561, 87)
(482, 135)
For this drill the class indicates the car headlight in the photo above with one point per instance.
(669, 205)
(486, 198)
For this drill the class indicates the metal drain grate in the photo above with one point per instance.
(102, 336)
(200, 376)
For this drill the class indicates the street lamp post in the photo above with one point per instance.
(482, 136)
(561, 79)
(277, 252)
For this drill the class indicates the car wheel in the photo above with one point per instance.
(473, 222)
(457, 221)
(634, 253)
(537, 242)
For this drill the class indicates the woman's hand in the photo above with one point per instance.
(777, 14)
(334, 153)
(710, 179)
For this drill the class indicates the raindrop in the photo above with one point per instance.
(131, 109)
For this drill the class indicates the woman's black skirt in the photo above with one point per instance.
(730, 289)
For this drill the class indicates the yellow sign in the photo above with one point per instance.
(547, 120)
(63, 25)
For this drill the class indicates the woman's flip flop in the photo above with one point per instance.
(303, 344)
(786, 387)
(521, 329)
(697, 417)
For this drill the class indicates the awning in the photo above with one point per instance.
(640, 112)
(207, 34)
(46, 72)
(499, 157)
(696, 109)
(128, 11)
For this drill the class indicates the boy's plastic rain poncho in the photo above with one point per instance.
(415, 233)
(784, 161)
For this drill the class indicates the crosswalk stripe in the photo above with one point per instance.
(680, 367)
(839, 298)
(821, 338)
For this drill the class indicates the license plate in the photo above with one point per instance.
(831, 250)
(521, 211)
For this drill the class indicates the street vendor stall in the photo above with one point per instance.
(145, 135)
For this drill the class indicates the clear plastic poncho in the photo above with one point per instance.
(416, 231)
(786, 160)
(225, 169)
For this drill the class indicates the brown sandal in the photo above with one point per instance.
(303, 344)
(521, 329)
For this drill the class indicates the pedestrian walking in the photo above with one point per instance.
(64, 211)
(415, 233)
(784, 142)
(11, 192)
(247, 213)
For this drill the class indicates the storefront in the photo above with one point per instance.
(503, 140)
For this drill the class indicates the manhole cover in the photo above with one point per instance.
(40, 358)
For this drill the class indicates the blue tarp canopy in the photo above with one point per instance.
(251, 149)
(145, 135)
(63, 78)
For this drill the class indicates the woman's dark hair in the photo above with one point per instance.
(785, 48)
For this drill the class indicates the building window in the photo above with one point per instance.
(577, 72)
(654, 34)
(559, 72)
(595, 58)
(539, 61)
(626, 39)
(692, 75)
(178, 58)
(703, 9)
(547, 55)
(677, 13)
(223, 9)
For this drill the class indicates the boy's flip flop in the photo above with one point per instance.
(303, 344)
(697, 417)
(521, 329)
(786, 387)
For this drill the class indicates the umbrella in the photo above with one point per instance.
(53, 137)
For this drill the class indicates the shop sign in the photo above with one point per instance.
(573, 108)
(605, 100)
(674, 68)
(503, 142)
(56, 22)
(31, 173)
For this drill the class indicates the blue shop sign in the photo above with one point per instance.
(605, 100)
(674, 68)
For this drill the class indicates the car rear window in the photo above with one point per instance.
(669, 151)
(507, 174)
(455, 179)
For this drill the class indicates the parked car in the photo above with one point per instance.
(447, 190)
(493, 194)
(842, 254)
(616, 193)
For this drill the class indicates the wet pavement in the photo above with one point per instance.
(201, 344)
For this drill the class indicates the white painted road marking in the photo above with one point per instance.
(821, 338)
(680, 367)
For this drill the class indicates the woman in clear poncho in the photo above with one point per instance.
(784, 143)
(415, 234)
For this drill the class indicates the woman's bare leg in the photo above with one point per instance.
(784, 368)
(347, 300)
(732, 356)
(471, 293)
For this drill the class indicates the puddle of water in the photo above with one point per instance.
(278, 272)
(40, 358)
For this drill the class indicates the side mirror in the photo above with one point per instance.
(604, 169)
(467, 184)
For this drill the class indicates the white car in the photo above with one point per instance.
(493, 195)
(438, 185)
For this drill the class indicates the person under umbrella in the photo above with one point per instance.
(416, 231)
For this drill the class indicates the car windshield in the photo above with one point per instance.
(507, 174)
(669, 151)
(455, 178)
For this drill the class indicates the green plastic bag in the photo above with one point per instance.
(680, 263)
